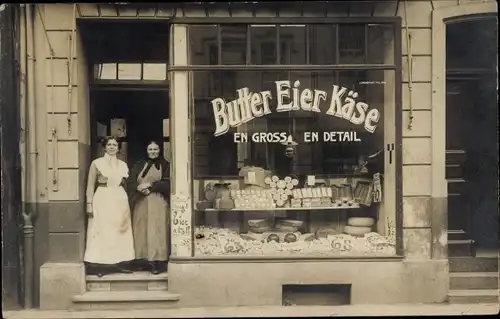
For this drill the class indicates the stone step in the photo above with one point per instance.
(461, 248)
(473, 280)
(137, 281)
(473, 296)
(122, 300)
(473, 264)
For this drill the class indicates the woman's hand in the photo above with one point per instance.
(146, 191)
(141, 187)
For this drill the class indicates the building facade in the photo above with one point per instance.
(264, 110)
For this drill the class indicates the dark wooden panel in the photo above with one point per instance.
(10, 161)
(454, 171)
(456, 187)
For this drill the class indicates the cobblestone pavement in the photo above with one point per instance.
(268, 311)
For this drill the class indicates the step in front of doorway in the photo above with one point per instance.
(473, 280)
(137, 281)
(473, 296)
(461, 248)
(123, 300)
(473, 264)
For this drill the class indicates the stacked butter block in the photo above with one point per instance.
(253, 199)
(342, 196)
(312, 197)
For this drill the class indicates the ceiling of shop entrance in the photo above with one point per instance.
(121, 41)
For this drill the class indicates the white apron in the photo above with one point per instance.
(109, 232)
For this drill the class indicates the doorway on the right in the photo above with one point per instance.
(471, 136)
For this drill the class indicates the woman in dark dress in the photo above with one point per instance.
(149, 195)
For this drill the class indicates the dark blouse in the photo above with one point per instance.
(161, 187)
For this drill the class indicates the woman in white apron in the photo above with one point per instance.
(109, 233)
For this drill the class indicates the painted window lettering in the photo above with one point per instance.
(248, 105)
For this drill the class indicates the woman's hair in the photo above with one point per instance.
(153, 142)
(105, 140)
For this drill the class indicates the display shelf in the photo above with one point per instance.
(354, 206)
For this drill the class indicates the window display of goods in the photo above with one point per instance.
(282, 228)
(259, 223)
(290, 238)
(289, 222)
(222, 241)
(356, 230)
(253, 175)
(312, 197)
(204, 204)
(324, 233)
(361, 221)
(273, 237)
(253, 199)
(281, 189)
(264, 236)
(259, 230)
(363, 192)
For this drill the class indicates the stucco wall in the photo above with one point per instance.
(60, 207)
(70, 146)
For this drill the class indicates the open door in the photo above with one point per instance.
(471, 136)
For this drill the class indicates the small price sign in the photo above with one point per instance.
(341, 244)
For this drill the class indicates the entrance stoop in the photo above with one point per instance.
(473, 280)
(139, 290)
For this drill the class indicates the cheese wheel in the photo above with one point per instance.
(295, 182)
(267, 180)
(259, 230)
(273, 184)
(357, 231)
(290, 222)
(258, 223)
(275, 178)
(290, 229)
(361, 221)
(288, 179)
(281, 184)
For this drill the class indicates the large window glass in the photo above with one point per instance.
(295, 161)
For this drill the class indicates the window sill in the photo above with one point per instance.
(354, 206)
(287, 259)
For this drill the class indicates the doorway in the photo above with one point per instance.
(135, 116)
(129, 88)
(471, 136)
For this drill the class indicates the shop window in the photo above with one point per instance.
(130, 71)
(295, 162)
(323, 44)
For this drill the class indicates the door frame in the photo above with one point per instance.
(455, 12)
(440, 18)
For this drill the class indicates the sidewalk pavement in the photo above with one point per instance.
(266, 311)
